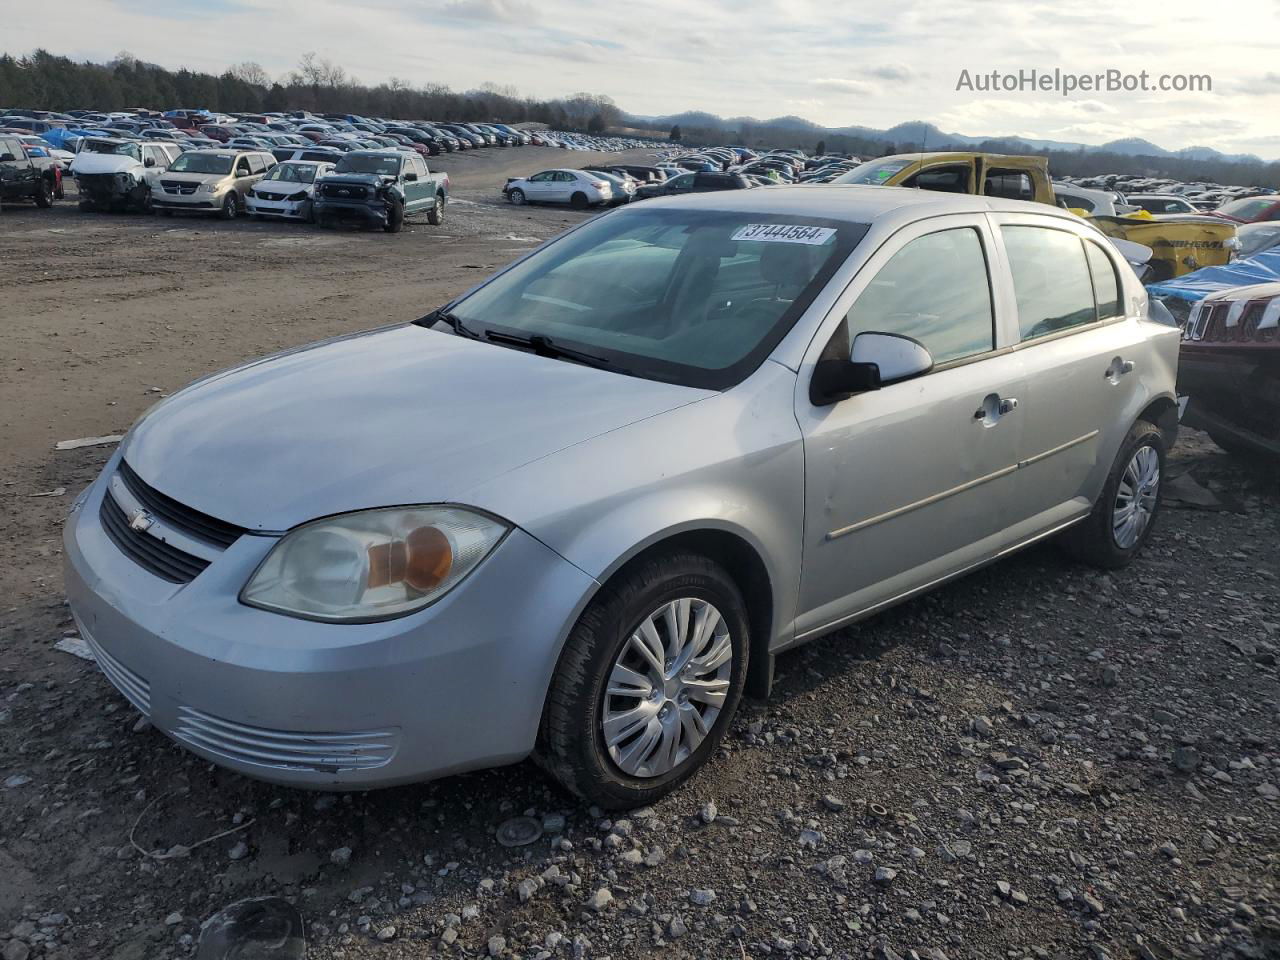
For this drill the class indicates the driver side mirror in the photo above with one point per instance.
(149, 162)
(7, 158)
(876, 360)
(410, 177)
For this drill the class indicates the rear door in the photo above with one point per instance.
(1081, 353)
(910, 483)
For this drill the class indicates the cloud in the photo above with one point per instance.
(844, 85)
(896, 72)
(491, 11)
(1265, 85)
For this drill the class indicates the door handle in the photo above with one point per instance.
(993, 408)
(1008, 406)
(1117, 369)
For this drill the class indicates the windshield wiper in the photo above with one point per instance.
(453, 321)
(545, 347)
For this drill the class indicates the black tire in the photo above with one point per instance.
(578, 201)
(435, 216)
(1093, 540)
(230, 206)
(44, 194)
(144, 205)
(517, 197)
(395, 218)
(87, 206)
(571, 743)
(165, 212)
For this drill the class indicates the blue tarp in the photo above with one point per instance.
(1262, 267)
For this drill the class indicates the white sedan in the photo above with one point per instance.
(578, 188)
(287, 190)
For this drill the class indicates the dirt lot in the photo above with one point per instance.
(1036, 762)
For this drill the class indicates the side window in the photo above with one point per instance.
(947, 179)
(1079, 203)
(540, 177)
(416, 164)
(564, 177)
(1009, 184)
(1051, 279)
(11, 147)
(1106, 286)
(950, 314)
(154, 155)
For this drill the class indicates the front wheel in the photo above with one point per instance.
(648, 682)
(395, 218)
(1125, 512)
(229, 207)
(517, 197)
(44, 194)
(435, 216)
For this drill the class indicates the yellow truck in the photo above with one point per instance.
(1180, 243)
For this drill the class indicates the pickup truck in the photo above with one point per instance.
(380, 188)
(23, 177)
(1180, 242)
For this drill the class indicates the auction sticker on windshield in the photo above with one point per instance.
(784, 233)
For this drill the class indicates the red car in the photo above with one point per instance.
(217, 132)
(1250, 209)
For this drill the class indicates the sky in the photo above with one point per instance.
(834, 62)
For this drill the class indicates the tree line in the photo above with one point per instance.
(45, 81)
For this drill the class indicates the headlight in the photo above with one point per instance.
(372, 565)
(298, 197)
(211, 186)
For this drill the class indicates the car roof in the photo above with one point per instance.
(855, 203)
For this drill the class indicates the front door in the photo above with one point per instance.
(909, 483)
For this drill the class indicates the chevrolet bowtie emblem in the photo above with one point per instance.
(140, 521)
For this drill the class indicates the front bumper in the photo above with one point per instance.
(290, 209)
(202, 202)
(374, 212)
(457, 686)
(108, 188)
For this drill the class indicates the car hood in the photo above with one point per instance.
(393, 416)
(104, 163)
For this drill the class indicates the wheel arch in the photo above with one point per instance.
(1163, 412)
(743, 559)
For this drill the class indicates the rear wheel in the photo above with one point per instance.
(435, 216)
(578, 201)
(648, 682)
(1125, 512)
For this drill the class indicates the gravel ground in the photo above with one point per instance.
(1038, 761)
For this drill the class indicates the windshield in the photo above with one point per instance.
(1247, 208)
(383, 166)
(692, 297)
(292, 173)
(875, 172)
(104, 146)
(201, 163)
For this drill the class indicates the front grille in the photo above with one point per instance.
(135, 689)
(341, 191)
(177, 515)
(284, 749)
(151, 553)
(179, 187)
(1209, 322)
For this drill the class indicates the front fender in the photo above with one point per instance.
(732, 462)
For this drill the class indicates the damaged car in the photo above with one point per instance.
(380, 188)
(286, 191)
(116, 174)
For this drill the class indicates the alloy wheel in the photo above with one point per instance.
(667, 687)
(1136, 497)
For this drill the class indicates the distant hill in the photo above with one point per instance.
(927, 136)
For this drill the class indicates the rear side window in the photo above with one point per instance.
(954, 179)
(1106, 286)
(1051, 279)
(1009, 184)
(949, 312)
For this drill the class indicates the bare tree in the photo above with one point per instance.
(250, 72)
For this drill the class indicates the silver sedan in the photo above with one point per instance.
(580, 510)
